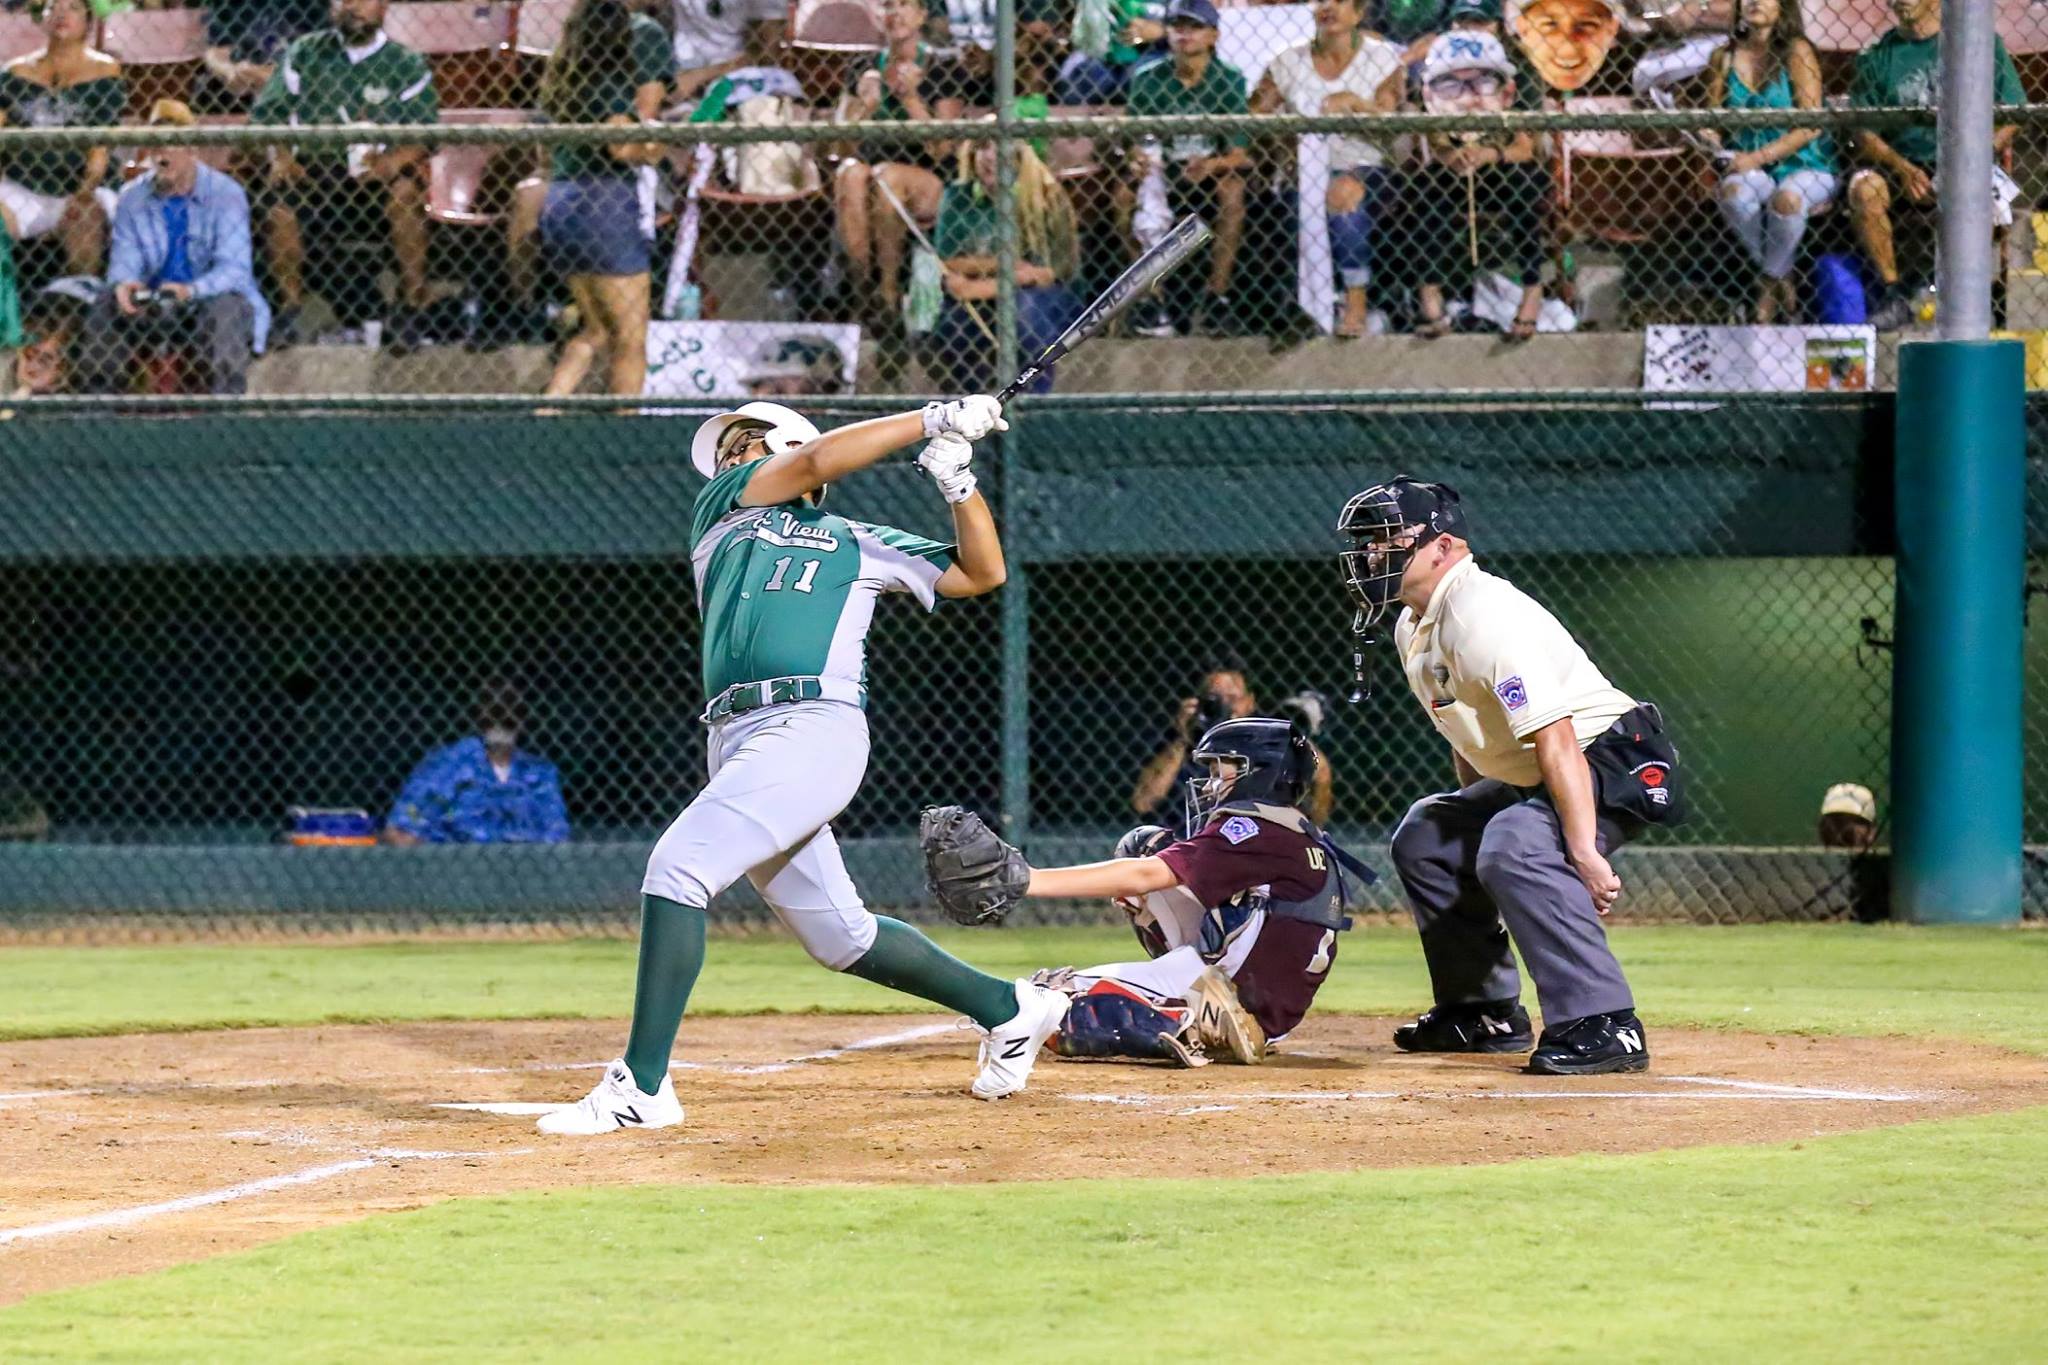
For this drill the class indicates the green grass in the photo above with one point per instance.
(1962, 983)
(1921, 1243)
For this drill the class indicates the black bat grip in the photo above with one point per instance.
(1025, 378)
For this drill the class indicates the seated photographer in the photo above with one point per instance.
(1225, 695)
(180, 271)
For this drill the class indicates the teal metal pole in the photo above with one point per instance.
(1016, 736)
(1956, 671)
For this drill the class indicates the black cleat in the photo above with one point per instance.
(1490, 1026)
(1593, 1046)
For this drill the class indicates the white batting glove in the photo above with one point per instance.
(946, 459)
(973, 417)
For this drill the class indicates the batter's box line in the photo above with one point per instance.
(227, 1194)
(1714, 1088)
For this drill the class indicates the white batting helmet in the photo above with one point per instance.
(786, 430)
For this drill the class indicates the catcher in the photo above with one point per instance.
(1239, 921)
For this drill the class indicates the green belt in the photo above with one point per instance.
(741, 698)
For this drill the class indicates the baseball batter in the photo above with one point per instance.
(1239, 921)
(787, 592)
(1556, 768)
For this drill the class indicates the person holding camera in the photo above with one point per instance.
(179, 272)
(1225, 695)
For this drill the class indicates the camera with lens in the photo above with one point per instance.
(1211, 711)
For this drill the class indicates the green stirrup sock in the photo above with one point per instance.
(905, 960)
(671, 952)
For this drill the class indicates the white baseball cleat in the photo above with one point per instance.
(617, 1102)
(1009, 1050)
(1222, 1023)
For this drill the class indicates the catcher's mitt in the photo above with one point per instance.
(973, 873)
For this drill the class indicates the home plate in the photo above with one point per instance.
(510, 1109)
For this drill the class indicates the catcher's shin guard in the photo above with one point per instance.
(1109, 1021)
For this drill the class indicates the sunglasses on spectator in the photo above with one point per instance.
(1478, 83)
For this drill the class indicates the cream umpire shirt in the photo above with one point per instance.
(1491, 666)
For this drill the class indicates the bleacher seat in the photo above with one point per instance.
(160, 50)
(536, 28)
(539, 26)
(19, 36)
(1611, 190)
(836, 25)
(470, 185)
(466, 44)
(1839, 29)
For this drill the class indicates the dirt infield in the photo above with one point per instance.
(129, 1154)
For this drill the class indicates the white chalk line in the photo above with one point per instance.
(1752, 1092)
(758, 1069)
(145, 1088)
(112, 1218)
(1799, 1091)
(909, 1035)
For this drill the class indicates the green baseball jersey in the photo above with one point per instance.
(1156, 89)
(89, 104)
(789, 591)
(317, 81)
(610, 92)
(1907, 71)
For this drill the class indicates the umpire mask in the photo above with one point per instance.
(1385, 523)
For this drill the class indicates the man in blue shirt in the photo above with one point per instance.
(483, 789)
(179, 270)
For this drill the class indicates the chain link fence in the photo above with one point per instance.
(355, 350)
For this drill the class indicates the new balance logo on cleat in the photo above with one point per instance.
(1630, 1039)
(626, 1116)
(1016, 1048)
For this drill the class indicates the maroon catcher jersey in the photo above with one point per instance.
(1234, 853)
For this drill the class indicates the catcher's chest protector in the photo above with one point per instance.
(1326, 906)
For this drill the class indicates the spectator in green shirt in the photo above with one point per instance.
(350, 73)
(65, 84)
(1903, 68)
(1048, 255)
(908, 81)
(1204, 173)
(611, 66)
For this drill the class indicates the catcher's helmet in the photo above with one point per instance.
(1256, 758)
(1385, 524)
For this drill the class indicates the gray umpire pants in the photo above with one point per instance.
(1487, 864)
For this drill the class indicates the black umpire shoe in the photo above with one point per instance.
(1593, 1046)
(1490, 1026)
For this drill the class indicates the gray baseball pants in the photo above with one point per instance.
(1487, 864)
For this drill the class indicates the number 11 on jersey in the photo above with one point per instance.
(803, 579)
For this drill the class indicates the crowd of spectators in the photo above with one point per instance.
(208, 259)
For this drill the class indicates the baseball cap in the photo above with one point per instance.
(1473, 9)
(1850, 798)
(1613, 7)
(1193, 12)
(797, 357)
(1465, 51)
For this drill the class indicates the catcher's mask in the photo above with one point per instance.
(1251, 758)
(1385, 524)
(780, 429)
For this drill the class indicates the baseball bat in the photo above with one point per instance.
(1177, 245)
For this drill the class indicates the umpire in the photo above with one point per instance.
(1556, 768)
